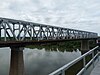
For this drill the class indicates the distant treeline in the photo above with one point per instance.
(61, 46)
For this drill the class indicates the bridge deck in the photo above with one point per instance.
(32, 42)
(96, 70)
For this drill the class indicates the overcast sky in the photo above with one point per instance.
(76, 14)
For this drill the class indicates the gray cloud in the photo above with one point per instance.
(55, 12)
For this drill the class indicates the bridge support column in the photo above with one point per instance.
(17, 62)
(85, 45)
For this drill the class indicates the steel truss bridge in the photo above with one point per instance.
(16, 34)
(17, 30)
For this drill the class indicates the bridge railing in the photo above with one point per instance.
(93, 52)
(21, 30)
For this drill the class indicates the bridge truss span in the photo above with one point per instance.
(17, 30)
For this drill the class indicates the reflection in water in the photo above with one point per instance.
(38, 62)
(42, 62)
(4, 61)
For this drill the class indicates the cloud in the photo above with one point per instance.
(4, 61)
(55, 12)
(44, 62)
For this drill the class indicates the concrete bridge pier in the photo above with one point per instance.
(17, 62)
(85, 45)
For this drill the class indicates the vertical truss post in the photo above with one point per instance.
(73, 34)
(30, 33)
(24, 28)
(5, 39)
(19, 31)
(52, 32)
(58, 33)
(47, 33)
(33, 32)
(40, 33)
(13, 30)
(62, 34)
(68, 32)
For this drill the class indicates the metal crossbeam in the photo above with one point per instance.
(18, 30)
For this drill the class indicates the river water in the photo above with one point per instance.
(38, 61)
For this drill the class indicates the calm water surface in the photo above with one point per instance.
(38, 62)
